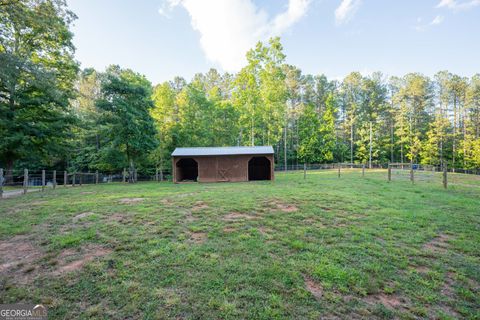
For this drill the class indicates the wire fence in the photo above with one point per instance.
(17, 182)
(393, 172)
(326, 166)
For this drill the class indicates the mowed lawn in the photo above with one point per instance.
(301, 249)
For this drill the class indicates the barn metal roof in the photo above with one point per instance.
(221, 151)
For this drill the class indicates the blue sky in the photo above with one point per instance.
(166, 38)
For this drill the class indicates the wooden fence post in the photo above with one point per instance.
(445, 182)
(124, 175)
(389, 173)
(339, 170)
(411, 174)
(65, 178)
(25, 181)
(43, 180)
(363, 170)
(54, 179)
(74, 177)
(304, 171)
(1, 183)
(81, 178)
(96, 177)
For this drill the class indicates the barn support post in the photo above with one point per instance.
(445, 181)
(65, 178)
(54, 179)
(25, 181)
(304, 171)
(96, 177)
(43, 180)
(389, 173)
(1, 183)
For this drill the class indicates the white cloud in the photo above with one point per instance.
(437, 20)
(424, 26)
(346, 10)
(229, 28)
(458, 5)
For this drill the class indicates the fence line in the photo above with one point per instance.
(23, 181)
(15, 182)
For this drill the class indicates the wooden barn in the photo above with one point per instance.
(219, 164)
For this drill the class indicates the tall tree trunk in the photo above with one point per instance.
(401, 153)
(285, 147)
(131, 171)
(391, 141)
(251, 133)
(351, 142)
(464, 133)
(454, 131)
(370, 151)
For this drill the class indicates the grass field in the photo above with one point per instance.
(302, 249)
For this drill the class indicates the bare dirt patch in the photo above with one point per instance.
(166, 201)
(199, 205)
(437, 244)
(183, 195)
(391, 301)
(313, 287)
(237, 216)
(81, 216)
(198, 237)
(447, 289)
(18, 258)
(71, 260)
(118, 217)
(422, 269)
(130, 200)
(281, 206)
(229, 229)
(189, 217)
(265, 231)
(87, 192)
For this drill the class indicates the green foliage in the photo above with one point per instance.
(37, 73)
(125, 104)
(107, 121)
(309, 124)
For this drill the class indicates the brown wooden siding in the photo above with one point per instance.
(231, 168)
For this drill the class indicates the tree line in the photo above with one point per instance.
(55, 115)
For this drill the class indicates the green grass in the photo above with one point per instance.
(302, 249)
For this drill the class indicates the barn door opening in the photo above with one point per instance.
(259, 169)
(187, 170)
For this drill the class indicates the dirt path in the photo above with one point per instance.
(18, 192)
